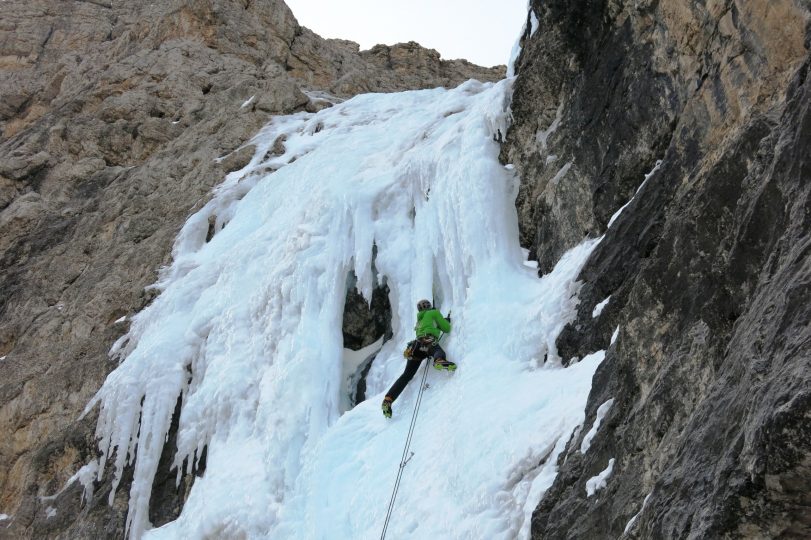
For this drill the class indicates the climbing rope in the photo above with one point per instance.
(403, 460)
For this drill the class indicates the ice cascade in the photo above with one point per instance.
(405, 189)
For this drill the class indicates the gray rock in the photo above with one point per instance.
(707, 268)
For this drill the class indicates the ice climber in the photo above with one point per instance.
(429, 328)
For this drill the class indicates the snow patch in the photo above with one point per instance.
(50, 512)
(596, 483)
(561, 173)
(647, 177)
(632, 521)
(599, 308)
(2, 358)
(4, 517)
(247, 102)
(321, 96)
(542, 137)
(86, 475)
(602, 410)
(533, 19)
(615, 334)
(122, 319)
(538, 483)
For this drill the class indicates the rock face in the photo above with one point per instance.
(340, 67)
(111, 116)
(707, 269)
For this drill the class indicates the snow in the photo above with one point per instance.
(247, 102)
(2, 358)
(321, 96)
(615, 334)
(602, 410)
(247, 329)
(122, 319)
(50, 512)
(543, 135)
(632, 521)
(533, 19)
(86, 475)
(599, 308)
(645, 181)
(4, 517)
(596, 483)
(561, 173)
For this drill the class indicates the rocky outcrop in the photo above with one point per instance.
(112, 115)
(340, 67)
(707, 268)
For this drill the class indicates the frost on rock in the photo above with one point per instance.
(602, 410)
(632, 521)
(561, 173)
(247, 331)
(542, 137)
(596, 483)
(599, 308)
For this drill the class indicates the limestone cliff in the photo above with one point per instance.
(707, 268)
(114, 115)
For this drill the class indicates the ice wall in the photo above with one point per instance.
(247, 329)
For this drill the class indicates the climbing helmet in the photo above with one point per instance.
(423, 305)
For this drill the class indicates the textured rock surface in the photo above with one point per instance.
(111, 116)
(708, 267)
(339, 66)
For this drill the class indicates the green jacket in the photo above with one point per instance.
(430, 322)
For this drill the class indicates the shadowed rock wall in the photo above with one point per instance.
(707, 269)
(112, 113)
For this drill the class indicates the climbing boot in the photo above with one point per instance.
(386, 407)
(442, 364)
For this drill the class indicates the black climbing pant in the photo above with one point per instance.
(434, 351)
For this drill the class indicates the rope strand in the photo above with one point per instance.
(403, 460)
